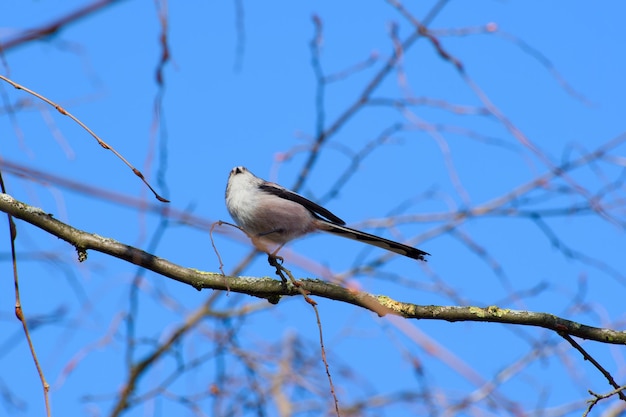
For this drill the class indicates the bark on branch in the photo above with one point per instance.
(273, 289)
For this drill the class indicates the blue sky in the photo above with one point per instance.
(222, 108)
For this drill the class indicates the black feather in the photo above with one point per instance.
(314, 208)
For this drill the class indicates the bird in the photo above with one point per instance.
(272, 215)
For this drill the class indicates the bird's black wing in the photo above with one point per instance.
(297, 198)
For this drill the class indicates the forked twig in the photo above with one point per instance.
(598, 397)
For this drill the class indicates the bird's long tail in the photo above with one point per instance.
(373, 240)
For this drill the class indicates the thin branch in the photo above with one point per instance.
(588, 357)
(91, 132)
(598, 397)
(55, 25)
(19, 312)
(362, 99)
(138, 369)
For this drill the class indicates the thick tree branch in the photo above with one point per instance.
(273, 289)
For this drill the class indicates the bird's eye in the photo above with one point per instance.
(238, 170)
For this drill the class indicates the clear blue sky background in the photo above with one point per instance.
(222, 109)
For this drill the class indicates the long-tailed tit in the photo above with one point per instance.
(273, 215)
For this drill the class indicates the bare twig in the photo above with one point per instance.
(598, 397)
(19, 313)
(595, 363)
(281, 271)
(91, 132)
